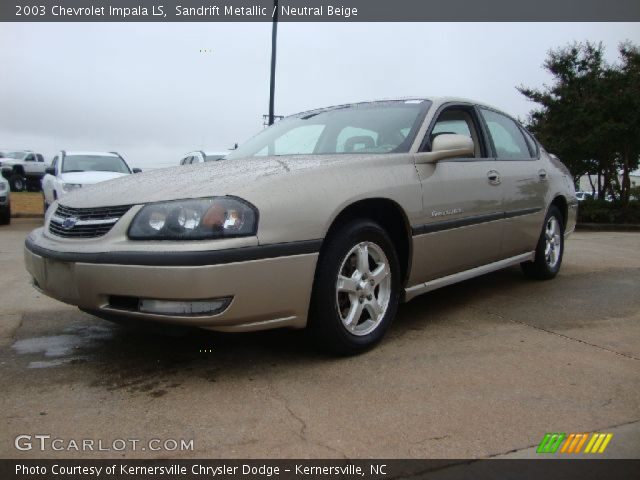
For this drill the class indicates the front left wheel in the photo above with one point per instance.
(356, 290)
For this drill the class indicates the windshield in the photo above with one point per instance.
(94, 163)
(378, 127)
(15, 155)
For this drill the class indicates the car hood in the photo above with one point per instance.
(87, 178)
(227, 177)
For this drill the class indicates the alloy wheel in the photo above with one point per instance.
(363, 288)
(553, 241)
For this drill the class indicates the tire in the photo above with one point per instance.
(5, 215)
(17, 182)
(353, 317)
(550, 248)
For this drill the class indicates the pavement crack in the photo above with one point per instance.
(302, 433)
(562, 335)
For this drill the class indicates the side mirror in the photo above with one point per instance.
(50, 171)
(447, 145)
(137, 170)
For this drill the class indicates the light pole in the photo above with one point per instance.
(274, 34)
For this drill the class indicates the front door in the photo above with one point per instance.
(462, 220)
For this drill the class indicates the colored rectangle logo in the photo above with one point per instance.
(574, 443)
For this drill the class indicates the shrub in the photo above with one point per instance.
(600, 211)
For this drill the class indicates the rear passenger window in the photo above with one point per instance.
(507, 137)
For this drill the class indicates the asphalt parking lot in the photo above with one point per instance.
(480, 369)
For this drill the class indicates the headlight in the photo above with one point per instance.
(198, 219)
(69, 187)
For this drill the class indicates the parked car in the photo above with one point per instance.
(72, 170)
(23, 168)
(582, 196)
(327, 220)
(199, 156)
(5, 202)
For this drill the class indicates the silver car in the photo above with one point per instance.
(326, 220)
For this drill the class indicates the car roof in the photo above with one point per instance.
(436, 101)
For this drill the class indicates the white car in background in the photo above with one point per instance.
(72, 170)
(199, 156)
(582, 196)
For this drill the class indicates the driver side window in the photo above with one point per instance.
(460, 122)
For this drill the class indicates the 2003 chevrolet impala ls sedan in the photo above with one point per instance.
(326, 220)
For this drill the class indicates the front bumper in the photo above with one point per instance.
(265, 293)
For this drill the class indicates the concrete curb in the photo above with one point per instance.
(608, 227)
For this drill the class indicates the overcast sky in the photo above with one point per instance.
(147, 90)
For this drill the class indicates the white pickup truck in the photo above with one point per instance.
(23, 169)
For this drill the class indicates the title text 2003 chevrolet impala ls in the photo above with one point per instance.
(326, 220)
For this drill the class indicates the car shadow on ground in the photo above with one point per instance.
(120, 357)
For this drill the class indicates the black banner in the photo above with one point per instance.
(319, 10)
(547, 469)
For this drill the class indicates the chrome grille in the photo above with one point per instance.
(85, 222)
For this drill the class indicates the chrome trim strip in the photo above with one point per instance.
(421, 288)
(85, 223)
(468, 221)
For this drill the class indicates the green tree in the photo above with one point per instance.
(590, 115)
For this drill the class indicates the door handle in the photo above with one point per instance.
(542, 174)
(494, 177)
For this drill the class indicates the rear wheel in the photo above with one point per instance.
(550, 248)
(357, 289)
(17, 182)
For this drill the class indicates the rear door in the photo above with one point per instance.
(461, 224)
(524, 180)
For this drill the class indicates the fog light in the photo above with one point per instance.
(194, 307)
